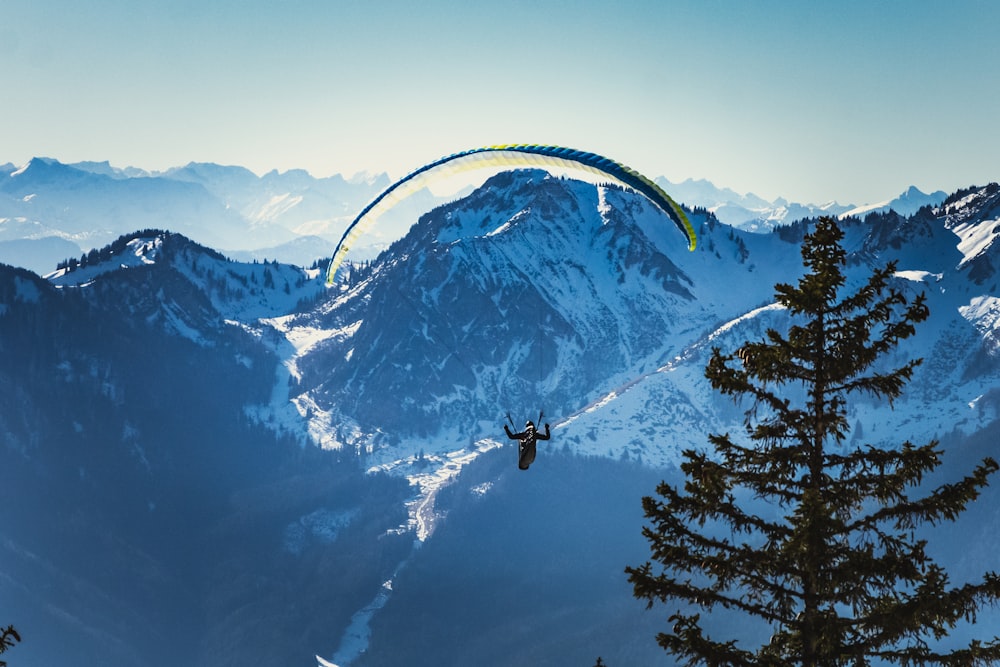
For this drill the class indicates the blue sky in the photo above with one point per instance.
(812, 101)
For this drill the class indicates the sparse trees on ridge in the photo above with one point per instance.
(792, 526)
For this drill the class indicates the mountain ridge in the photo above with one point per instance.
(328, 436)
(268, 216)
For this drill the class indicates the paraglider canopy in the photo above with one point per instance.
(515, 156)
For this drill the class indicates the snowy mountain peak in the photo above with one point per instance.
(371, 178)
(105, 168)
(209, 173)
(534, 292)
(127, 252)
(538, 291)
(747, 211)
(494, 267)
(906, 204)
(972, 201)
(240, 292)
(41, 169)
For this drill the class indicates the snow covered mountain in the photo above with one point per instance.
(50, 211)
(906, 204)
(745, 211)
(536, 291)
(753, 213)
(206, 424)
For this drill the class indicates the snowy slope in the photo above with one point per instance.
(238, 292)
(534, 293)
(537, 293)
(542, 294)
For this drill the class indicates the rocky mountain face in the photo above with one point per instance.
(209, 461)
(539, 293)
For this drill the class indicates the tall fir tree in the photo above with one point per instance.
(793, 527)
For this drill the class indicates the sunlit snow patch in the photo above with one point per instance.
(137, 252)
(355, 639)
(429, 474)
(984, 314)
(743, 318)
(919, 276)
(974, 238)
(984, 311)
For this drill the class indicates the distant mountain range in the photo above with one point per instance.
(755, 214)
(212, 460)
(50, 211)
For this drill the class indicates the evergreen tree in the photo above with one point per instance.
(8, 637)
(797, 530)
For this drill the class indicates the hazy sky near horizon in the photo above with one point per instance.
(851, 100)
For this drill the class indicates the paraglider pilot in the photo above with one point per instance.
(526, 446)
